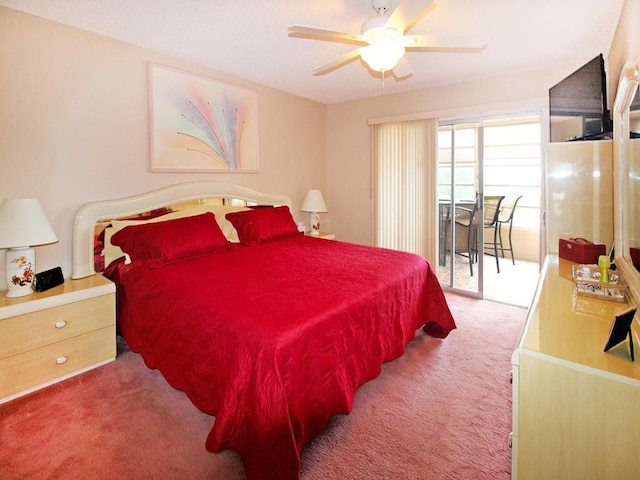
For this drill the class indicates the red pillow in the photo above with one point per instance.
(171, 240)
(258, 225)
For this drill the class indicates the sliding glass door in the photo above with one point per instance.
(478, 162)
(459, 193)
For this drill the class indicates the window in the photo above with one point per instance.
(513, 165)
(463, 154)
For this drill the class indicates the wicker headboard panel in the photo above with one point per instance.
(90, 213)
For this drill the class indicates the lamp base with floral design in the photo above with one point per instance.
(314, 220)
(20, 266)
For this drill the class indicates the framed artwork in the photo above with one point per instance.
(197, 124)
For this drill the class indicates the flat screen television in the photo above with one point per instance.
(578, 105)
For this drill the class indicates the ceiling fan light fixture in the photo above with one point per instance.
(383, 54)
(385, 49)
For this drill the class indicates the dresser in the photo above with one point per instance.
(49, 336)
(576, 409)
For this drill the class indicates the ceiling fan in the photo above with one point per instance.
(383, 40)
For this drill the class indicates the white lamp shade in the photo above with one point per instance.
(23, 223)
(314, 202)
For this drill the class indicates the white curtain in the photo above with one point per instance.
(405, 168)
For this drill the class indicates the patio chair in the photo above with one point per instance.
(506, 218)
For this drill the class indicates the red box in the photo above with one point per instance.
(580, 250)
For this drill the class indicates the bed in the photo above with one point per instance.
(269, 330)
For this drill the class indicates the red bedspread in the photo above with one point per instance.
(274, 339)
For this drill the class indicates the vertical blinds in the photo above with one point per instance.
(405, 186)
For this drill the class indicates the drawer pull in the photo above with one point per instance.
(510, 441)
(61, 360)
(61, 324)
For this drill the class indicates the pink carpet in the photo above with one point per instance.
(442, 411)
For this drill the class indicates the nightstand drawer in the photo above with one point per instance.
(55, 361)
(32, 330)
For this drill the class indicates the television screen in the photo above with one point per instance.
(578, 104)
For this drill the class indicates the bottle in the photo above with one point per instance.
(604, 264)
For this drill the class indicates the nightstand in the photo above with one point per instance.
(326, 236)
(50, 336)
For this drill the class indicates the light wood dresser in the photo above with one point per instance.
(50, 336)
(576, 409)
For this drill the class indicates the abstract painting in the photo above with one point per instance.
(198, 124)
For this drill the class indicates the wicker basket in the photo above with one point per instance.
(591, 286)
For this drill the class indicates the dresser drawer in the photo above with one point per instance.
(44, 364)
(33, 330)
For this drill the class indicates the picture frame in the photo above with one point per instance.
(621, 330)
(198, 124)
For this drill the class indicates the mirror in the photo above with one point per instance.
(633, 179)
(626, 130)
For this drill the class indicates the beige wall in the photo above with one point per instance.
(625, 47)
(73, 126)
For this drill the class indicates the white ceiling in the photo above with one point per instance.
(249, 38)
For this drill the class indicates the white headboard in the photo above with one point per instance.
(90, 213)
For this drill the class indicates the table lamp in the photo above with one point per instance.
(314, 204)
(23, 225)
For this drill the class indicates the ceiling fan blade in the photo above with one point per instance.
(408, 13)
(402, 69)
(445, 43)
(338, 62)
(302, 31)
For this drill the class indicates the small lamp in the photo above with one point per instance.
(314, 204)
(23, 225)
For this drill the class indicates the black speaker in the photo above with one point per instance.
(48, 279)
